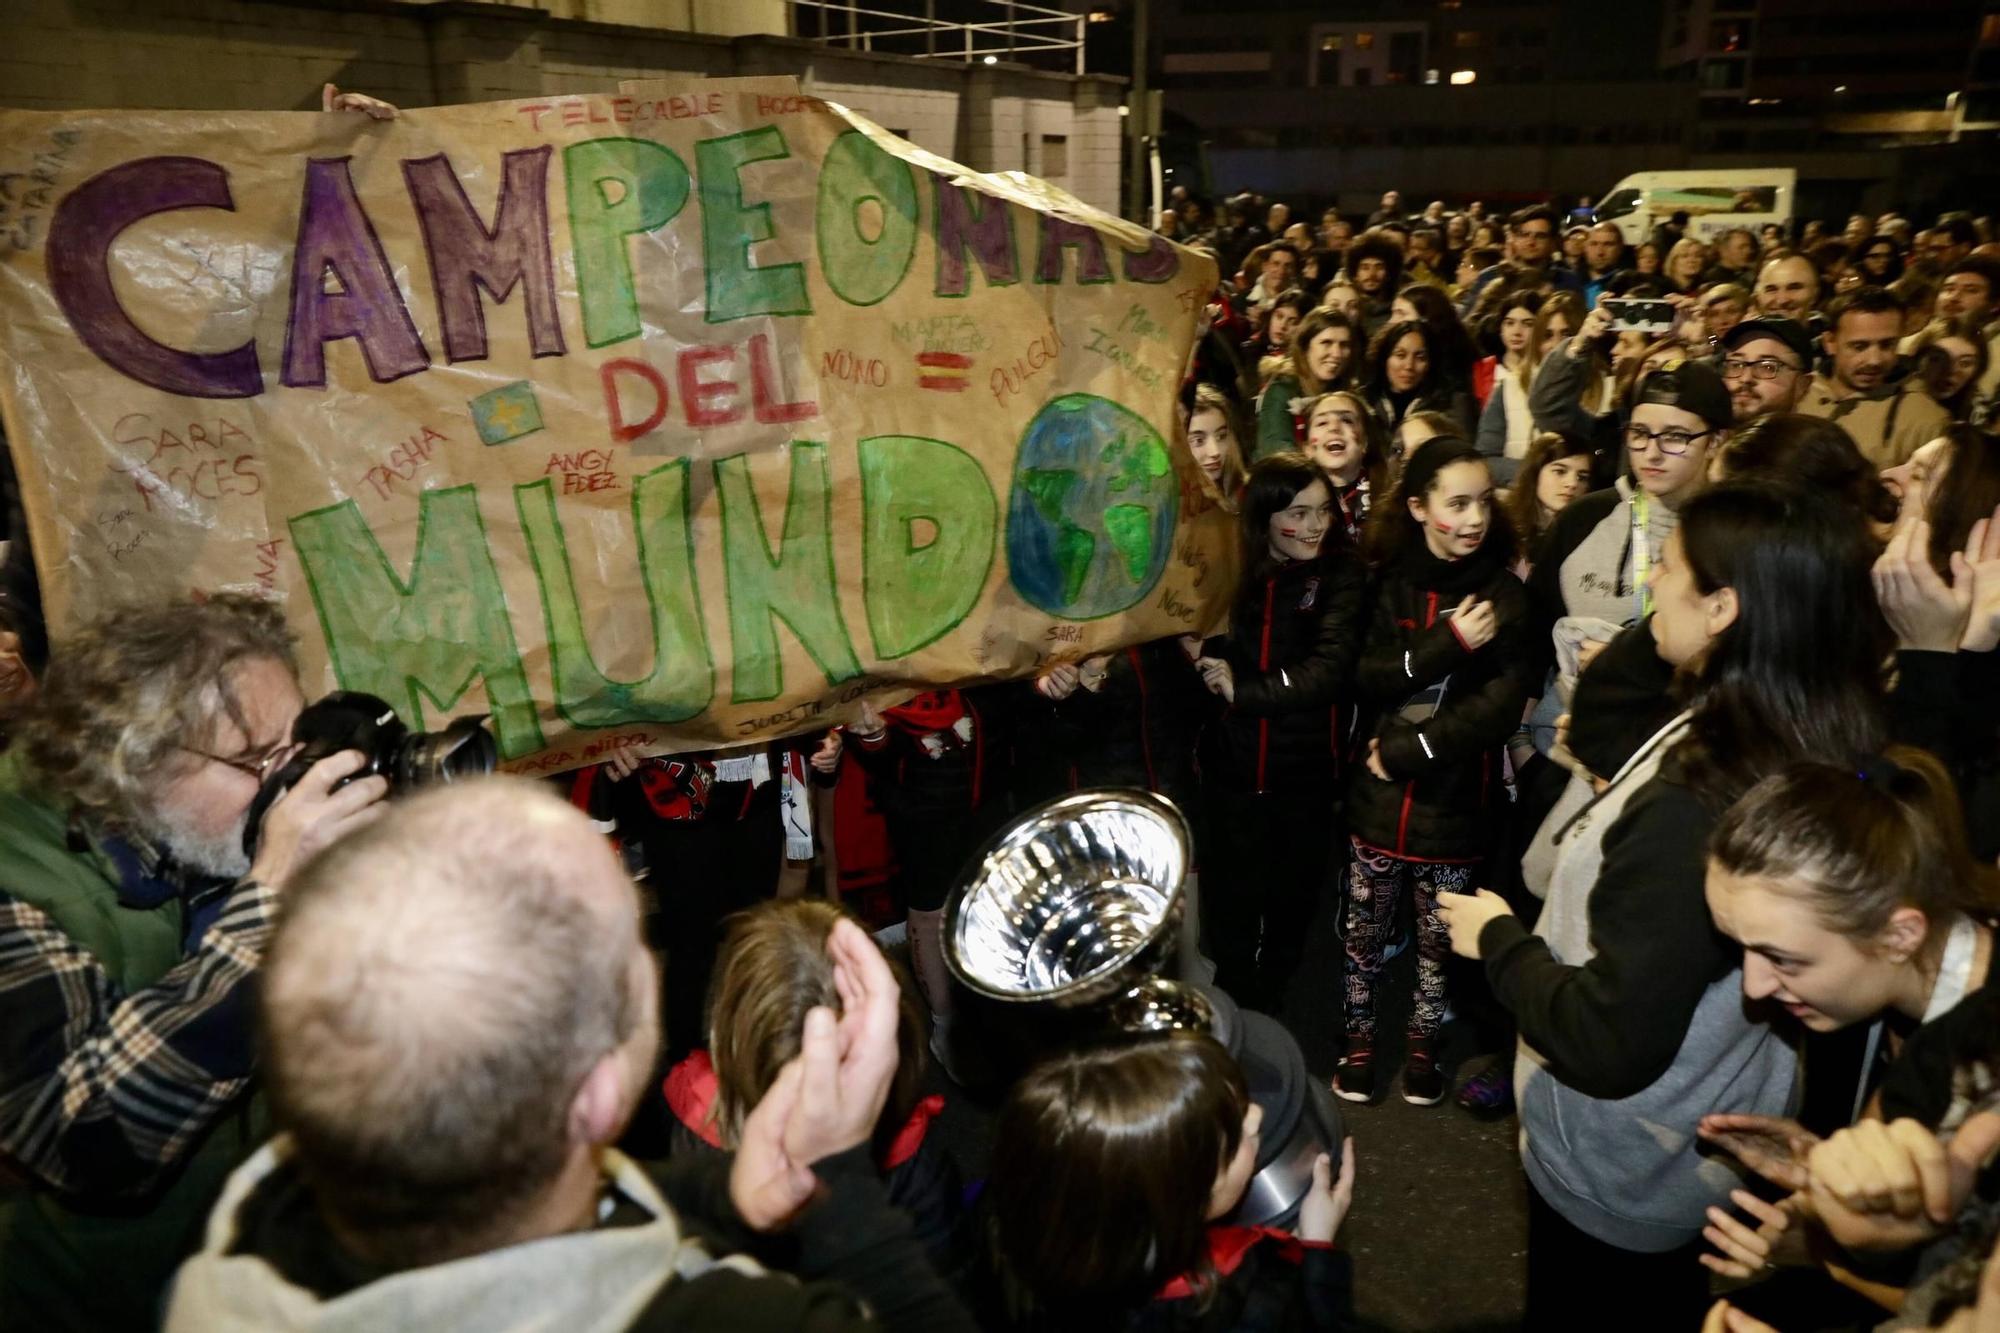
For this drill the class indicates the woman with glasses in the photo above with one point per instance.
(1604, 547)
(1592, 574)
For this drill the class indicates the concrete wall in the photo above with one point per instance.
(275, 54)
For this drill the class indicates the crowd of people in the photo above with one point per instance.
(1649, 669)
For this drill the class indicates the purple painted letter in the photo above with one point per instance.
(466, 255)
(1060, 234)
(336, 237)
(965, 219)
(86, 222)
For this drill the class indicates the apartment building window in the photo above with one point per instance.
(1055, 156)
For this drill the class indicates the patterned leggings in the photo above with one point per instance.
(1375, 882)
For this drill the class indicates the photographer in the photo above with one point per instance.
(132, 923)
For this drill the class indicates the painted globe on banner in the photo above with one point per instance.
(1090, 521)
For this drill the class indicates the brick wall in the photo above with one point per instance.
(275, 54)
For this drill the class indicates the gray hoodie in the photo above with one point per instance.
(1627, 1169)
(585, 1282)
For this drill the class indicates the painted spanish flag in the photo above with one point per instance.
(943, 370)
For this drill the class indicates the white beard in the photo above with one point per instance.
(221, 857)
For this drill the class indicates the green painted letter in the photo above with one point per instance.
(795, 585)
(737, 288)
(683, 677)
(617, 188)
(920, 585)
(426, 639)
(863, 269)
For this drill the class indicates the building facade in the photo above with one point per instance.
(275, 54)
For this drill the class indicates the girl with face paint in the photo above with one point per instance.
(1343, 438)
(1443, 679)
(1281, 678)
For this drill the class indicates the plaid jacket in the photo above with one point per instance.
(104, 1085)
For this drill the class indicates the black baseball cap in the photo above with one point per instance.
(1794, 335)
(1691, 386)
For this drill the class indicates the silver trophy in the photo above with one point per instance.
(1071, 911)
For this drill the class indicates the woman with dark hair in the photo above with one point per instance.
(1345, 440)
(1555, 472)
(1505, 425)
(1323, 351)
(1453, 347)
(1269, 760)
(1113, 1166)
(1276, 325)
(1403, 377)
(1444, 677)
(1812, 453)
(1629, 1005)
(1877, 260)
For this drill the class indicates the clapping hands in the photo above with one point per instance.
(828, 1098)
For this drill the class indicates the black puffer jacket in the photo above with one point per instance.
(1292, 644)
(1446, 789)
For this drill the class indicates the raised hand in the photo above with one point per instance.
(1058, 681)
(1982, 555)
(1775, 1147)
(332, 99)
(1219, 676)
(1742, 1252)
(1927, 613)
(827, 1099)
(1325, 1206)
(1476, 623)
(1894, 1186)
(827, 757)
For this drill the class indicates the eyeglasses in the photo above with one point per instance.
(1763, 368)
(258, 770)
(1671, 440)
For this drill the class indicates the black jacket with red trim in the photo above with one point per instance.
(1292, 643)
(1137, 729)
(917, 1173)
(955, 763)
(1446, 788)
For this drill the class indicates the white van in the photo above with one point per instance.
(1715, 201)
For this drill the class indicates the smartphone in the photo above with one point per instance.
(1639, 316)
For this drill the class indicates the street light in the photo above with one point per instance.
(1461, 77)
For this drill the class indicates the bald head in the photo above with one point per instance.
(439, 986)
(1788, 286)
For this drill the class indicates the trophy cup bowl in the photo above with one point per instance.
(1079, 902)
(1065, 919)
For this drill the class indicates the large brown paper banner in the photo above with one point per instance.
(685, 416)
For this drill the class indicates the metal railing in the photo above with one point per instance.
(1017, 30)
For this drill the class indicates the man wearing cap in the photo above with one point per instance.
(1888, 422)
(1766, 366)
